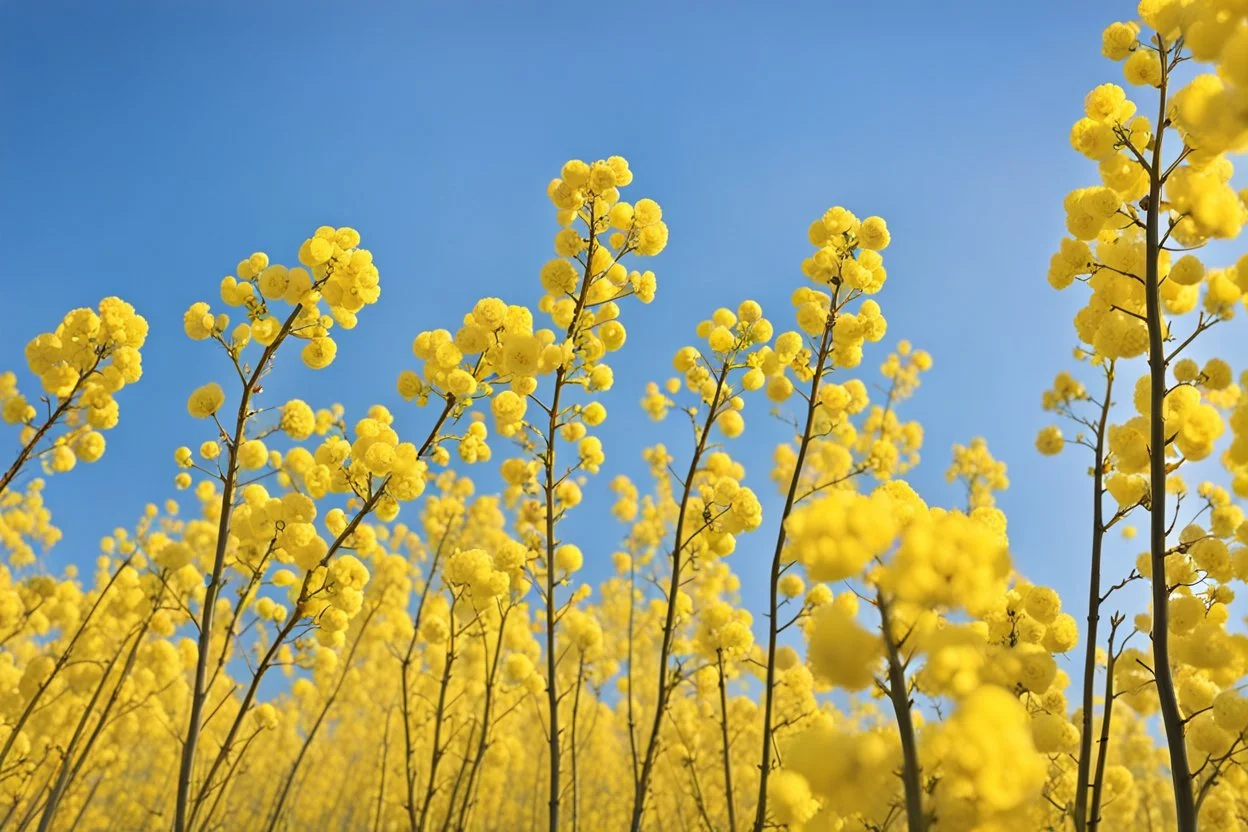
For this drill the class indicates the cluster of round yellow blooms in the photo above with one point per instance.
(339, 597)
(981, 473)
(335, 270)
(835, 776)
(950, 559)
(474, 570)
(1066, 392)
(990, 772)
(25, 529)
(81, 365)
(1212, 109)
(1110, 245)
(837, 535)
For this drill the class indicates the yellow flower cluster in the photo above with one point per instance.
(335, 270)
(81, 365)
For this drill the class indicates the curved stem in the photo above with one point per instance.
(1102, 751)
(548, 464)
(1094, 609)
(265, 663)
(62, 408)
(437, 750)
(666, 679)
(1172, 720)
(899, 694)
(725, 746)
(812, 403)
(199, 692)
(276, 811)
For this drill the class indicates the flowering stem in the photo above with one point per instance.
(548, 462)
(381, 787)
(1172, 720)
(576, 707)
(405, 706)
(62, 780)
(437, 750)
(229, 779)
(487, 714)
(199, 693)
(669, 624)
(632, 616)
(60, 664)
(53, 417)
(726, 746)
(1102, 750)
(899, 694)
(1094, 612)
(276, 811)
(295, 616)
(812, 404)
(103, 720)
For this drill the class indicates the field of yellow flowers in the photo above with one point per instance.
(347, 633)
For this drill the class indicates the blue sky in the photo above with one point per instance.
(147, 147)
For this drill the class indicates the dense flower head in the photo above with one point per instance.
(81, 366)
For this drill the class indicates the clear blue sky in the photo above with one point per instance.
(146, 147)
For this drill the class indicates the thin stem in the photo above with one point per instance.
(576, 709)
(381, 788)
(267, 662)
(199, 693)
(67, 767)
(548, 463)
(642, 785)
(899, 694)
(320, 718)
(1172, 720)
(61, 661)
(725, 743)
(483, 742)
(1102, 750)
(437, 750)
(62, 407)
(1094, 607)
(812, 404)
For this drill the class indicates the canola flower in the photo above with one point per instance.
(445, 665)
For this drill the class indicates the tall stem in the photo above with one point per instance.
(276, 811)
(483, 743)
(67, 767)
(576, 710)
(1172, 720)
(899, 694)
(1094, 608)
(1102, 749)
(642, 786)
(548, 464)
(271, 654)
(437, 750)
(812, 404)
(61, 661)
(199, 693)
(725, 744)
(409, 748)
(381, 787)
